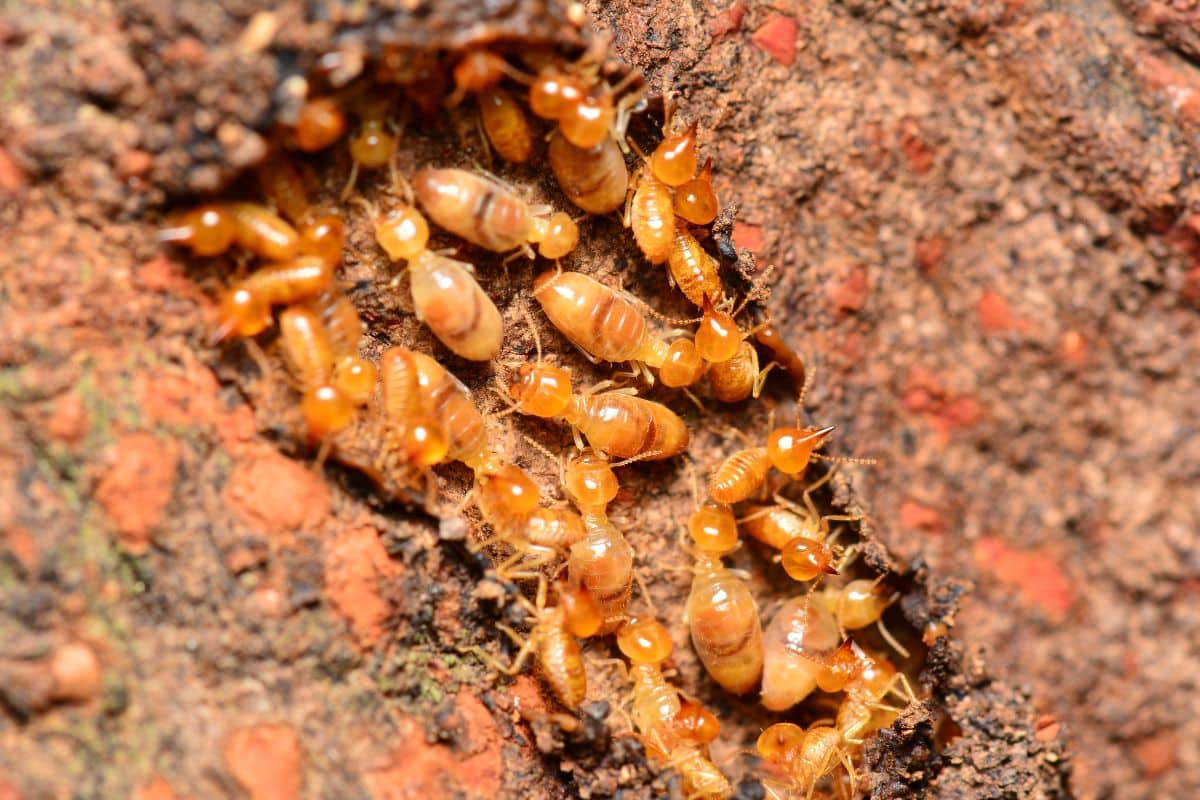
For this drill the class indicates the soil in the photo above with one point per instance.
(985, 236)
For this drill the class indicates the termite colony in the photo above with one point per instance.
(398, 414)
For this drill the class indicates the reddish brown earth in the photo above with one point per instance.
(985, 229)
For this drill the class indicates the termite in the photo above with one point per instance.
(487, 213)
(309, 355)
(650, 214)
(595, 178)
(445, 294)
(211, 230)
(319, 124)
(720, 611)
(605, 323)
(805, 756)
(353, 375)
(867, 681)
(656, 712)
(245, 308)
(601, 562)
(373, 146)
(615, 422)
(693, 270)
(552, 643)
(796, 642)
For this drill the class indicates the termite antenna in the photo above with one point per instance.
(891, 640)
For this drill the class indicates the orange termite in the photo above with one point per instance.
(595, 179)
(657, 712)
(553, 645)
(720, 611)
(693, 270)
(651, 216)
(796, 642)
(309, 355)
(674, 160)
(245, 308)
(601, 562)
(606, 324)
(319, 124)
(805, 756)
(505, 125)
(867, 680)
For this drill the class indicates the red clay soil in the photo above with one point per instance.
(985, 234)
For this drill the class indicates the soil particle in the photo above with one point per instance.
(357, 567)
(137, 486)
(156, 788)
(273, 494)
(265, 760)
(776, 37)
(76, 673)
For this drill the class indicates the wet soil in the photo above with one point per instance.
(983, 226)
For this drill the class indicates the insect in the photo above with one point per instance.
(789, 449)
(447, 401)
(682, 365)
(309, 355)
(795, 644)
(797, 532)
(606, 324)
(595, 178)
(720, 611)
(858, 604)
(373, 145)
(693, 270)
(505, 125)
(412, 423)
(658, 715)
(284, 186)
(584, 110)
(674, 160)
(245, 308)
(445, 294)
(867, 681)
(695, 200)
(805, 756)
(616, 423)
(650, 213)
(211, 230)
(319, 124)
(353, 375)
(601, 562)
(552, 643)
(734, 380)
(781, 353)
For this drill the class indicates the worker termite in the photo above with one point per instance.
(650, 214)
(353, 375)
(552, 643)
(595, 179)
(505, 125)
(656, 712)
(695, 200)
(309, 355)
(284, 186)
(616, 423)
(245, 308)
(373, 146)
(781, 353)
(867, 681)
(584, 111)
(797, 640)
(210, 230)
(445, 294)
(601, 562)
(720, 611)
(805, 756)
(415, 431)
(693, 270)
(319, 123)
(606, 324)
(488, 214)
(738, 378)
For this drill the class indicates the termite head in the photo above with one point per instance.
(805, 559)
(718, 338)
(790, 449)
(644, 641)
(542, 390)
(713, 529)
(840, 667)
(778, 743)
(590, 480)
(243, 313)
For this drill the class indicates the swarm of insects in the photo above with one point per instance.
(449, 230)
